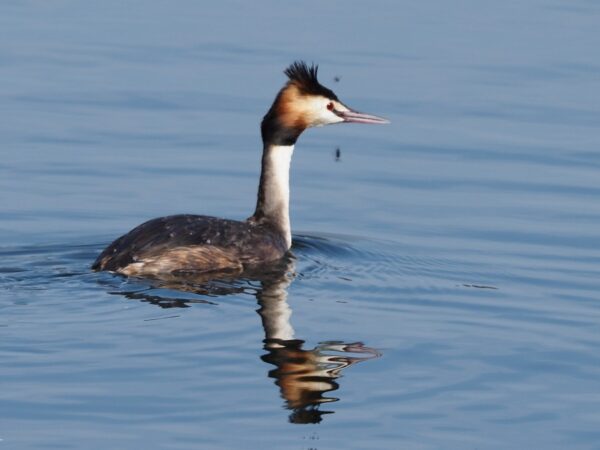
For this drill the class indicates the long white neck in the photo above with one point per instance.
(273, 204)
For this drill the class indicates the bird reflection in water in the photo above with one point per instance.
(304, 376)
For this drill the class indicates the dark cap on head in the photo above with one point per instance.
(305, 77)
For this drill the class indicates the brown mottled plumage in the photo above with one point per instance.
(188, 243)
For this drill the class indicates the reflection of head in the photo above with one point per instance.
(304, 376)
(301, 381)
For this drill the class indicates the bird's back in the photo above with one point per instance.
(191, 243)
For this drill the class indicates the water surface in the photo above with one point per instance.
(443, 287)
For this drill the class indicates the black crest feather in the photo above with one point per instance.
(305, 77)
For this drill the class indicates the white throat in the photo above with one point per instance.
(274, 189)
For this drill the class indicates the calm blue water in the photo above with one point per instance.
(444, 289)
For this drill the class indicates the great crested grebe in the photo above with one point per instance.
(201, 244)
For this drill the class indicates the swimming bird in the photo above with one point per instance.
(185, 243)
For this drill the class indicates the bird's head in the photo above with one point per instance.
(303, 103)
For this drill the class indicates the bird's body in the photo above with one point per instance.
(189, 243)
(203, 244)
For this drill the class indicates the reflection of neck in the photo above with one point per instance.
(275, 312)
(303, 376)
(273, 201)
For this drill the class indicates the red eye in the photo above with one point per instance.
(330, 106)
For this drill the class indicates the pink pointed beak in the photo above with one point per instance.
(358, 117)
